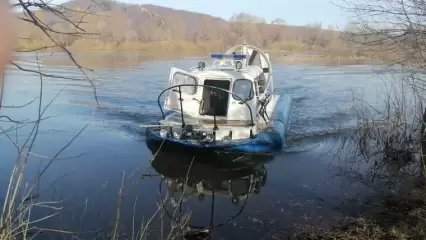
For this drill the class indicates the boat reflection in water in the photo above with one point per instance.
(185, 176)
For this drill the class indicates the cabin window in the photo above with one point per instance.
(243, 88)
(180, 78)
(215, 100)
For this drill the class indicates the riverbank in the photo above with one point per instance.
(395, 217)
(283, 52)
(324, 60)
(391, 145)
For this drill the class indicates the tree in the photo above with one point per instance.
(58, 24)
(44, 16)
(395, 30)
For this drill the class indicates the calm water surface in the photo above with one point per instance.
(301, 184)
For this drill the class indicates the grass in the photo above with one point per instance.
(84, 45)
(17, 222)
(388, 141)
(16, 218)
(323, 60)
(396, 217)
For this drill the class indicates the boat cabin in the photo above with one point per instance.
(223, 102)
(230, 88)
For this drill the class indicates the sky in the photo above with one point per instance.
(294, 12)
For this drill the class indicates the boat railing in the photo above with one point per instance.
(204, 86)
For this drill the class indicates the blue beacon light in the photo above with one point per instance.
(231, 56)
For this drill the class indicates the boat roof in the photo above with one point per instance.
(248, 72)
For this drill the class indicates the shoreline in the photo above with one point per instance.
(130, 58)
(174, 50)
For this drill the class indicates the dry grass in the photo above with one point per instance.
(323, 60)
(396, 217)
(176, 228)
(17, 222)
(388, 142)
(178, 49)
(15, 218)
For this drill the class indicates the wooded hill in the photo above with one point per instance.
(111, 25)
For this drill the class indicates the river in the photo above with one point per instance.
(301, 184)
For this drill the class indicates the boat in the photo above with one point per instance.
(227, 103)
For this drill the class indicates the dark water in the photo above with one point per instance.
(257, 198)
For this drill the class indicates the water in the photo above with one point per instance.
(269, 195)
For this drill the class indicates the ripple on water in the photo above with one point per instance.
(286, 188)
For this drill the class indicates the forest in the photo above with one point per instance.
(113, 26)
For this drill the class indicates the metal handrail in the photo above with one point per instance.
(196, 85)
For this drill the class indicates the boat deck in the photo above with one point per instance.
(176, 119)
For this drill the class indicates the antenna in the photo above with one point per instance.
(243, 49)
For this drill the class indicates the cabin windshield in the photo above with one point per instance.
(180, 78)
(243, 88)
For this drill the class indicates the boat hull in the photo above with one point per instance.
(269, 140)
